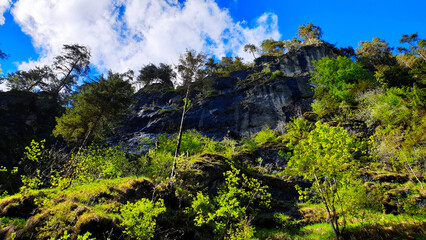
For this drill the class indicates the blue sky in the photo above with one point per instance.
(126, 34)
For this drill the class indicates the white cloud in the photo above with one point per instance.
(125, 34)
(4, 6)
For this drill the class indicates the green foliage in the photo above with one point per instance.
(277, 74)
(264, 136)
(271, 47)
(325, 157)
(243, 231)
(30, 80)
(151, 73)
(310, 34)
(417, 45)
(394, 76)
(34, 151)
(5, 221)
(296, 130)
(31, 183)
(61, 77)
(86, 236)
(97, 162)
(157, 161)
(339, 80)
(228, 65)
(286, 221)
(191, 66)
(139, 218)
(95, 109)
(230, 210)
(65, 236)
(371, 54)
(251, 48)
(266, 70)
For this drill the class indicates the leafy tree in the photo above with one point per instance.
(228, 65)
(417, 45)
(291, 45)
(191, 69)
(394, 76)
(97, 162)
(95, 108)
(326, 157)
(191, 66)
(225, 63)
(151, 73)
(270, 46)
(251, 48)
(371, 54)
(310, 33)
(414, 57)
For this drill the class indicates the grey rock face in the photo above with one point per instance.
(232, 106)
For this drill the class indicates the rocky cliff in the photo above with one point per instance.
(24, 116)
(242, 103)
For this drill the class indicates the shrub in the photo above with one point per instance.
(265, 135)
(139, 218)
(230, 210)
(296, 130)
(97, 162)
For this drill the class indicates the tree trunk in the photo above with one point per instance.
(172, 175)
(331, 217)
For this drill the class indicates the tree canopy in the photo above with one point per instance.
(191, 66)
(95, 109)
(162, 74)
(61, 77)
(310, 33)
(371, 54)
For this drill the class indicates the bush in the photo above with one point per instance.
(99, 162)
(139, 218)
(265, 135)
(230, 210)
(296, 130)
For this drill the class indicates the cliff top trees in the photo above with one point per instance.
(417, 45)
(28, 80)
(371, 54)
(251, 48)
(310, 33)
(191, 66)
(151, 73)
(60, 77)
(69, 66)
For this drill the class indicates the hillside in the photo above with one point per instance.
(307, 142)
